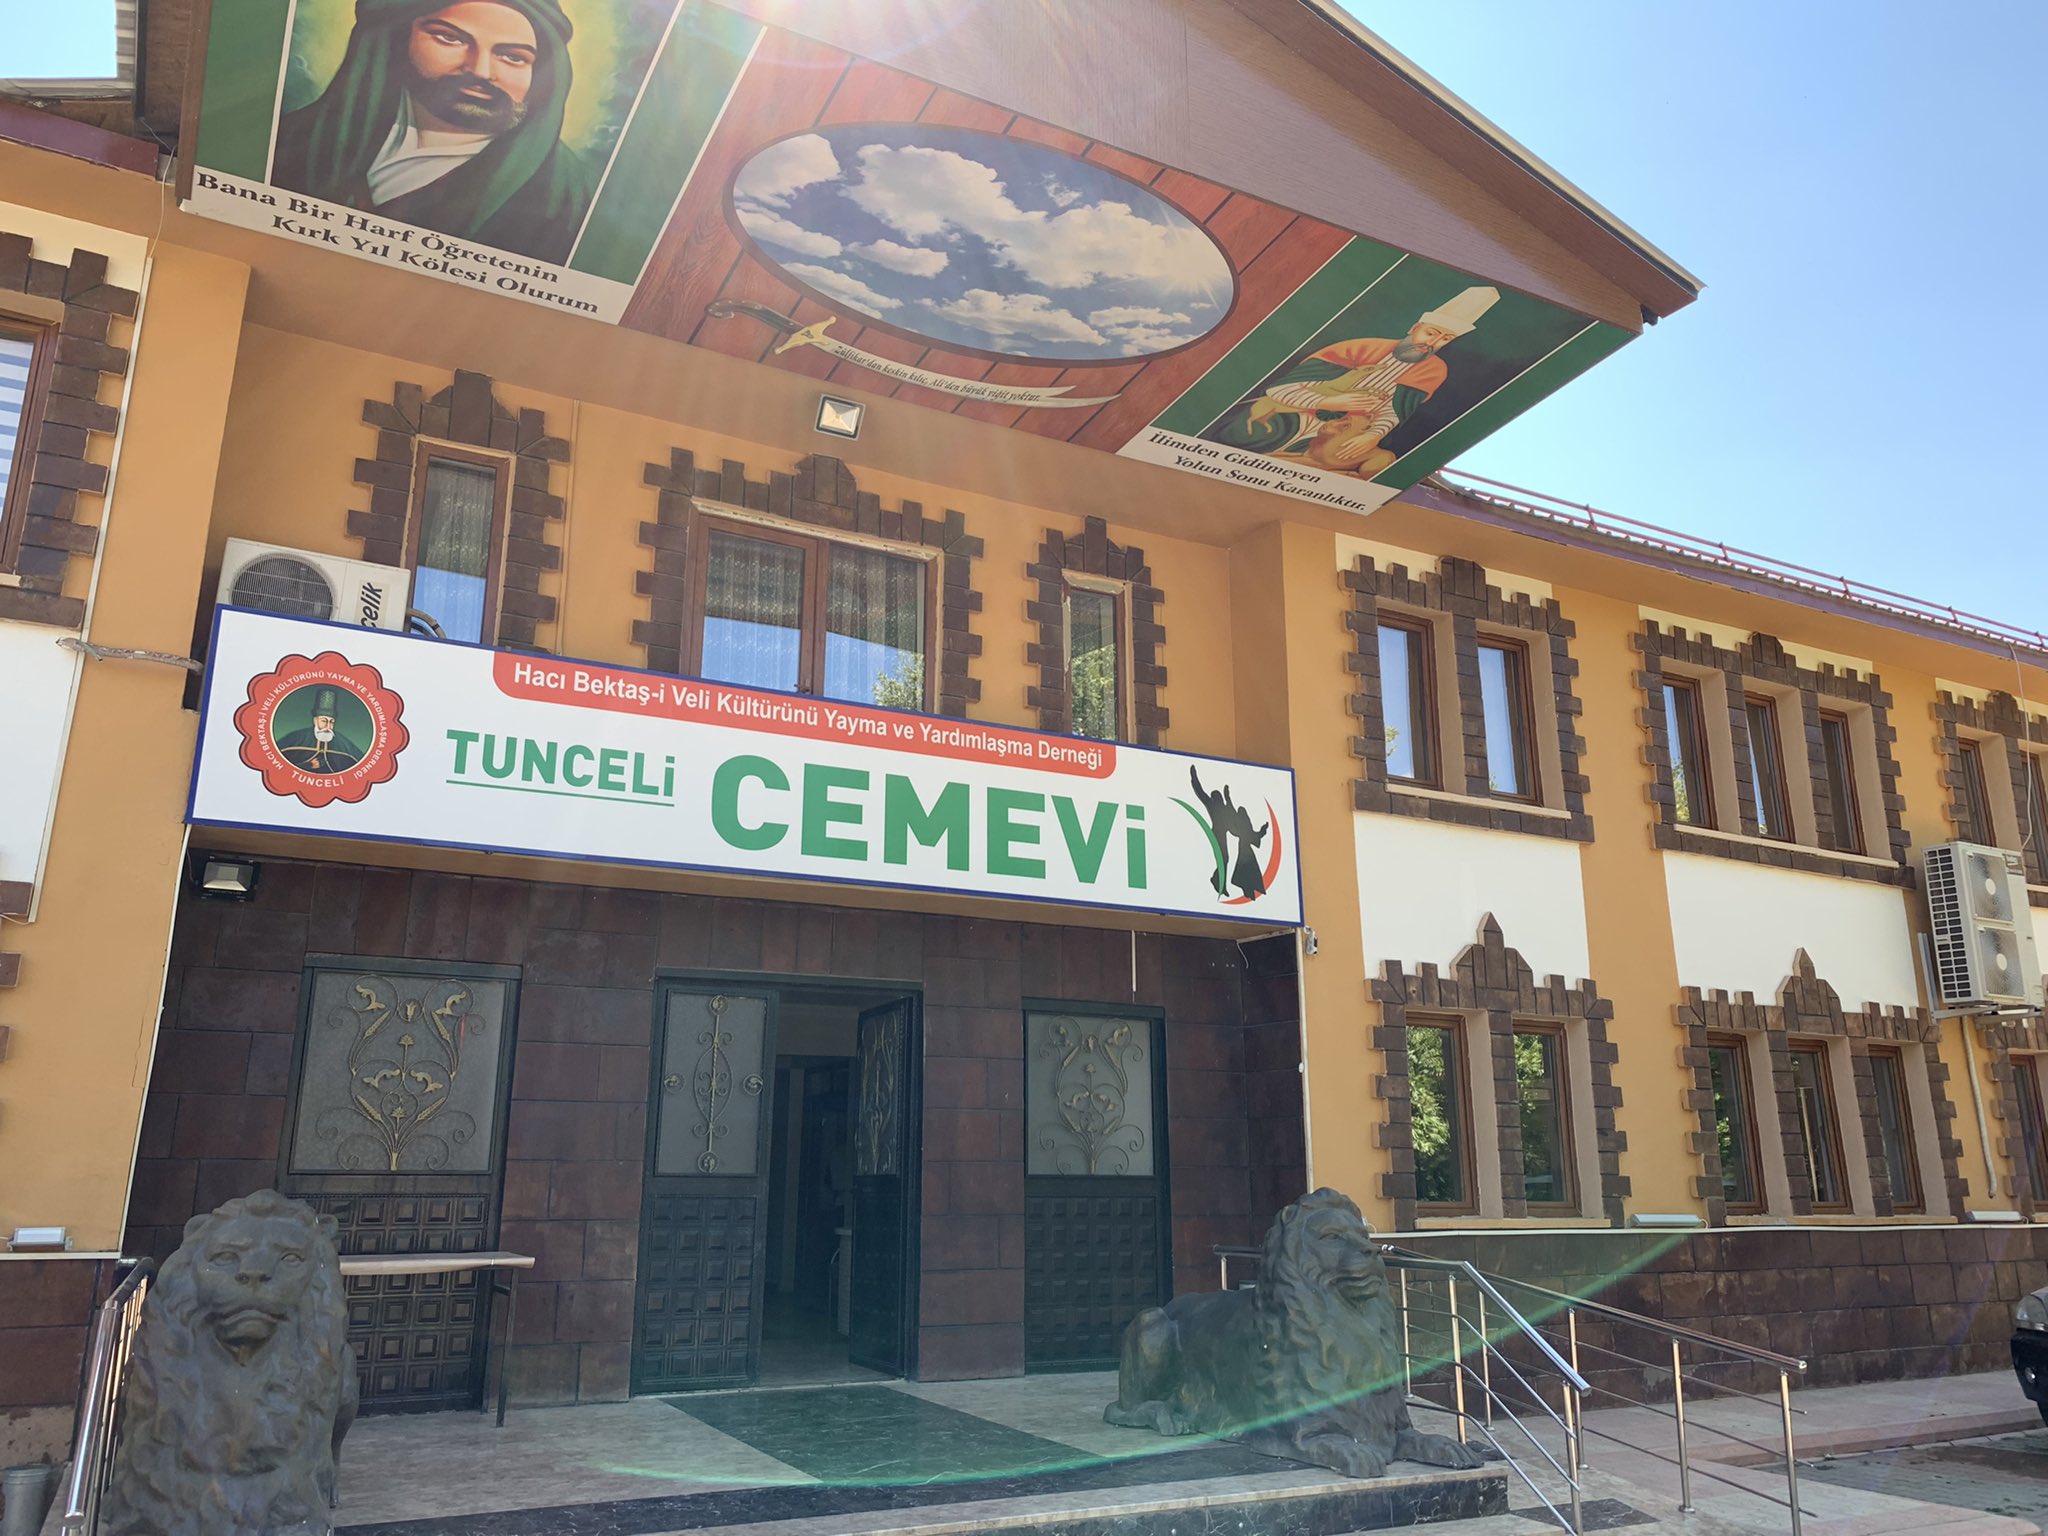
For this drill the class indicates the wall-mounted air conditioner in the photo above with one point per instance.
(304, 585)
(1984, 952)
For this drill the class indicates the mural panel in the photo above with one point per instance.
(680, 169)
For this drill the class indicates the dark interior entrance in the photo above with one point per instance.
(776, 1244)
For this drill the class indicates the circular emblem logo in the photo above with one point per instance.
(321, 729)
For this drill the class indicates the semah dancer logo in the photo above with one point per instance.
(1226, 819)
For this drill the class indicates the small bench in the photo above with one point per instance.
(502, 1280)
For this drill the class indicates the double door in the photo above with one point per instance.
(704, 1214)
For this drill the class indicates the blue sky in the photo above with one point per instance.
(1864, 381)
(67, 39)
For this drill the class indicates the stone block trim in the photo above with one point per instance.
(1490, 978)
(1763, 658)
(41, 534)
(2005, 1037)
(1092, 552)
(1459, 588)
(468, 412)
(1999, 715)
(1808, 1005)
(821, 493)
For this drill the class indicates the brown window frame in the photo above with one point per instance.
(41, 334)
(1842, 796)
(1976, 792)
(1780, 828)
(818, 548)
(1567, 1145)
(2026, 1084)
(1521, 718)
(1461, 1093)
(1699, 771)
(500, 465)
(1913, 1200)
(1818, 1050)
(1745, 1086)
(1119, 595)
(2034, 834)
(1423, 700)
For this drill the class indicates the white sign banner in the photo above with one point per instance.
(343, 732)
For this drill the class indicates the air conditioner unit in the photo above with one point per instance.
(1984, 952)
(303, 585)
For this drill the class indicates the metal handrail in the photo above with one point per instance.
(1658, 1325)
(99, 1404)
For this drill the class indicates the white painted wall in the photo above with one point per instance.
(1423, 886)
(35, 699)
(1736, 927)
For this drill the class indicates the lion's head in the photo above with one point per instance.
(242, 1370)
(1325, 1316)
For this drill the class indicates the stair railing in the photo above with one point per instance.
(99, 1401)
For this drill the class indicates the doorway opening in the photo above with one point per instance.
(778, 1234)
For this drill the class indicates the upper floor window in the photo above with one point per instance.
(1820, 1128)
(1735, 1124)
(26, 352)
(1685, 728)
(799, 614)
(1504, 700)
(1540, 1091)
(1839, 790)
(1976, 792)
(2026, 1084)
(2035, 833)
(457, 542)
(1095, 661)
(1408, 701)
(1767, 768)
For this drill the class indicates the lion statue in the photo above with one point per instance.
(1307, 1366)
(242, 1382)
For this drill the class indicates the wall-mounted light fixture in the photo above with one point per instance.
(1657, 1221)
(40, 1240)
(223, 877)
(839, 418)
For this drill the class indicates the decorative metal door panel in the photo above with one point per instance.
(396, 1130)
(1095, 1202)
(886, 1042)
(704, 1230)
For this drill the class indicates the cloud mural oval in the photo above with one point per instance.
(980, 243)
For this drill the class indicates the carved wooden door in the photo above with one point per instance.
(396, 1129)
(884, 1223)
(704, 1208)
(1096, 1249)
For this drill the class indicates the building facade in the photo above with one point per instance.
(1578, 884)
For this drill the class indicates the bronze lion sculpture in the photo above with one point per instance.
(242, 1382)
(1307, 1366)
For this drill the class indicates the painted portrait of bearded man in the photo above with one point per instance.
(447, 114)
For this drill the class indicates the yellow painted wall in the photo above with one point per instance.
(84, 1015)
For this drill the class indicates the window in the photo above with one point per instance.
(1976, 798)
(2034, 834)
(1735, 1124)
(26, 354)
(457, 546)
(1408, 702)
(1819, 1129)
(1767, 768)
(2026, 1082)
(1504, 700)
(1685, 729)
(1839, 762)
(1895, 1127)
(796, 614)
(1438, 1116)
(1095, 662)
(1547, 1180)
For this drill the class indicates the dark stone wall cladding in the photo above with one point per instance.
(1857, 1305)
(46, 1310)
(576, 1137)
